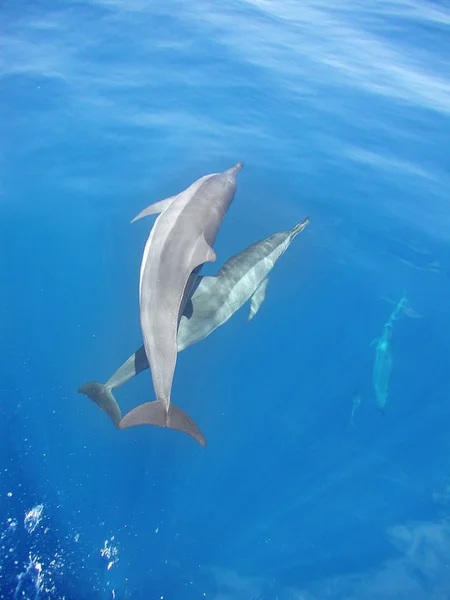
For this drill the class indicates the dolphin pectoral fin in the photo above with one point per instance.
(154, 209)
(374, 341)
(258, 298)
(202, 253)
(154, 413)
(102, 396)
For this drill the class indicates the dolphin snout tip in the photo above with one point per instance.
(237, 167)
(300, 226)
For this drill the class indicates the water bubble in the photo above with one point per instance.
(33, 518)
(110, 553)
(29, 582)
(12, 524)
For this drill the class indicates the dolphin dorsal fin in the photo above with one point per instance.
(155, 208)
(202, 253)
(258, 298)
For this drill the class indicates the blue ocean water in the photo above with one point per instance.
(305, 491)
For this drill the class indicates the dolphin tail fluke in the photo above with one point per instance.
(102, 396)
(181, 421)
(154, 413)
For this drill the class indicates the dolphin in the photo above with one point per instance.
(402, 307)
(180, 242)
(383, 357)
(243, 277)
(382, 366)
(356, 401)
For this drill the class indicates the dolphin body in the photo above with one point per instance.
(356, 401)
(383, 356)
(383, 366)
(180, 242)
(243, 277)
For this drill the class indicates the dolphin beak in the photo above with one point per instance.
(237, 168)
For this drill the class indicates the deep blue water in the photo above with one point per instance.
(340, 111)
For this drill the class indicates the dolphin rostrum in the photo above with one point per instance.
(180, 242)
(243, 277)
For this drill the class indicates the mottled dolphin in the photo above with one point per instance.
(180, 242)
(243, 277)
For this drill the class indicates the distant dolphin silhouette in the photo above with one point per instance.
(383, 357)
(382, 366)
(180, 242)
(243, 277)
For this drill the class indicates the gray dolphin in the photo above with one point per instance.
(243, 277)
(180, 242)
